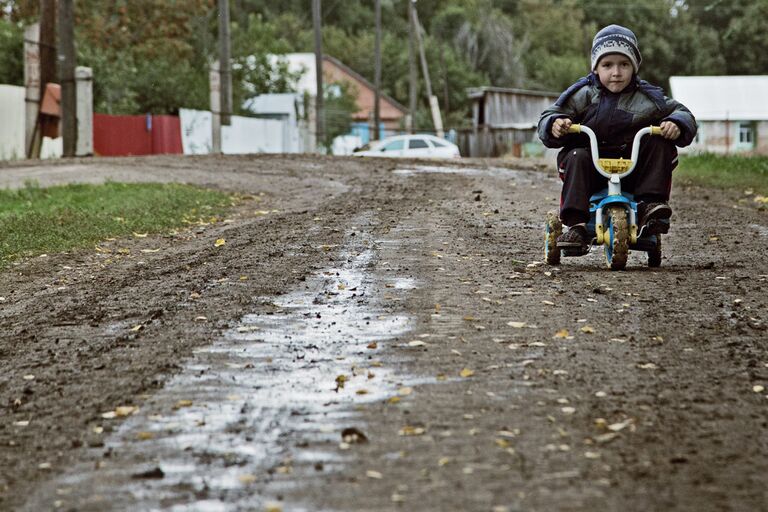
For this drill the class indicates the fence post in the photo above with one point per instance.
(84, 80)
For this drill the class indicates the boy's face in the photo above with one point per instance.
(615, 71)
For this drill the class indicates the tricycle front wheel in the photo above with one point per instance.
(617, 238)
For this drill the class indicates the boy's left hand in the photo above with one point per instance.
(669, 130)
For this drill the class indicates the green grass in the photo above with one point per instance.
(36, 220)
(721, 171)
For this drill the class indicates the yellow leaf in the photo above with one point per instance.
(394, 400)
(587, 329)
(758, 388)
(140, 235)
(247, 478)
(405, 391)
(145, 436)
(361, 392)
(342, 286)
(136, 328)
(562, 333)
(410, 430)
(219, 242)
(502, 443)
(183, 403)
(374, 474)
(466, 372)
(125, 410)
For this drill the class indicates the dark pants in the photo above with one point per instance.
(651, 181)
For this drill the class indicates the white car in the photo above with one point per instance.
(410, 146)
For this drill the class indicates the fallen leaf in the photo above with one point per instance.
(340, 380)
(372, 345)
(548, 303)
(246, 478)
(410, 430)
(758, 388)
(568, 410)
(562, 333)
(587, 329)
(617, 427)
(352, 435)
(416, 343)
(466, 372)
(140, 235)
(647, 366)
(28, 377)
(374, 474)
(341, 286)
(145, 436)
(183, 403)
(516, 325)
(405, 391)
(219, 242)
(125, 410)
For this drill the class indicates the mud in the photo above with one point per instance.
(474, 376)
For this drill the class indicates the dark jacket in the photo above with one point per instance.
(614, 117)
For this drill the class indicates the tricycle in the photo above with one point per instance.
(613, 213)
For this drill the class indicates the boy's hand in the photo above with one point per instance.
(560, 127)
(669, 130)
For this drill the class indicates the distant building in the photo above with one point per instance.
(731, 111)
(391, 112)
(504, 121)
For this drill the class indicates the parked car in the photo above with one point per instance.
(410, 146)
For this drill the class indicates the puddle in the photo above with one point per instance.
(218, 429)
(761, 230)
(468, 171)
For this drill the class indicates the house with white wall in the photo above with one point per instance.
(731, 111)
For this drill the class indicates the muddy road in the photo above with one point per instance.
(382, 335)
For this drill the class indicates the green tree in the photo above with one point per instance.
(11, 53)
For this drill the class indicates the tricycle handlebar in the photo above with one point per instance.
(578, 128)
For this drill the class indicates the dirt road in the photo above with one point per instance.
(382, 335)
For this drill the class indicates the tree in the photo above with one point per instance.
(11, 53)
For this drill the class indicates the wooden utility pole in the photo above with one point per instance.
(319, 110)
(67, 73)
(377, 75)
(413, 69)
(224, 62)
(46, 72)
(433, 105)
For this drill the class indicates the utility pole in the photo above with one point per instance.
(377, 75)
(67, 73)
(46, 73)
(413, 69)
(319, 110)
(225, 67)
(433, 105)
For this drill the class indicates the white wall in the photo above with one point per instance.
(12, 125)
(244, 135)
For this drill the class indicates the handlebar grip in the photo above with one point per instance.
(574, 128)
(655, 130)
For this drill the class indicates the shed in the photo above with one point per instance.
(504, 121)
(731, 111)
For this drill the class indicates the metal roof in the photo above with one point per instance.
(479, 92)
(719, 98)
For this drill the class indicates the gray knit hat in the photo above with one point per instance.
(616, 39)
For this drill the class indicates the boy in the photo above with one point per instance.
(615, 103)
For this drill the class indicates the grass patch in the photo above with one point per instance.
(721, 171)
(36, 220)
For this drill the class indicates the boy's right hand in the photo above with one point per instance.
(560, 127)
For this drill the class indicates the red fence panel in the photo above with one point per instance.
(136, 135)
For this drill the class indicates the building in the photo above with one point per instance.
(731, 111)
(504, 122)
(391, 112)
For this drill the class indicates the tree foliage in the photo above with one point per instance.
(154, 55)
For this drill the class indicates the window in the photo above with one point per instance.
(746, 134)
(393, 146)
(437, 143)
(417, 144)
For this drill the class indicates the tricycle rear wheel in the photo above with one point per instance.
(552, 230)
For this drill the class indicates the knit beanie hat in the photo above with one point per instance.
(616, 39)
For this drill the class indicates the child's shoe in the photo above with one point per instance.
(654, 217)
(574, 242)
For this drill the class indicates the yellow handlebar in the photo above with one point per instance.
(574, 128)
(655, 130)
